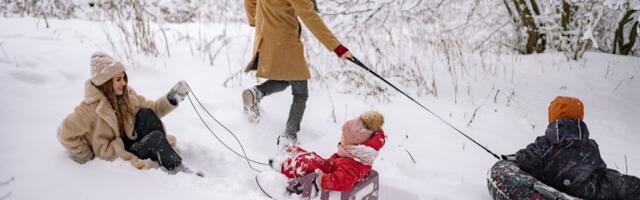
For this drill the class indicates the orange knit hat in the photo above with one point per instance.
(566, 108)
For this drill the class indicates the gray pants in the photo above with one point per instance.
(300, 94)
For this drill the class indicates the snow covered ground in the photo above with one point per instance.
(43, 71)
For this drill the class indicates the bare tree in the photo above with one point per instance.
(523, 13)
(621, 44)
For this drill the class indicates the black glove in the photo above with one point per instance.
(510, 157)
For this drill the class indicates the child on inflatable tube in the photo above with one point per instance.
(566, 159)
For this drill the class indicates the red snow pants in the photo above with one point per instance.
(300, 163)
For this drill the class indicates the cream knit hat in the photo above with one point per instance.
(103, 68)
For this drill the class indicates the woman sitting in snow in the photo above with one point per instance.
(566, 159)
(114, 122)
(361, 140)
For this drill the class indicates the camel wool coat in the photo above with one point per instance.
(277, 39)
(92, 129)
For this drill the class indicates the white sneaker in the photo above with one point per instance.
(250, 99)
(286, 141)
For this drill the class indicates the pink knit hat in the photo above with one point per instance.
(354, 132)
(360, 129)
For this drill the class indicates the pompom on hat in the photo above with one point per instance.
(360, 129)
(103, 68)
(566, 108)
(373, 120)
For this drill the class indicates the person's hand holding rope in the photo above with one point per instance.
(342, 52)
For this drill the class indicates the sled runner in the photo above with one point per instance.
(273, 185)
(262, 189)
(506, 181)
(366, 189)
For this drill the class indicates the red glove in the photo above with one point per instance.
(340, 50)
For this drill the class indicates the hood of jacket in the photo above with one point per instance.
(565, 131)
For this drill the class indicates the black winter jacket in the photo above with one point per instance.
(564, 158)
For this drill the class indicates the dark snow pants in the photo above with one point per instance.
(300, 94)
(151, 142)
(611, 184)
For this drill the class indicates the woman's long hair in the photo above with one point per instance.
(119, 103)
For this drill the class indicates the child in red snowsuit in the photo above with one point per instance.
(361, 140)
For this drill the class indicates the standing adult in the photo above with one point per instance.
(278, 55)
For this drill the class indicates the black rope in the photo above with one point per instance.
(244, 153)
(357, 62)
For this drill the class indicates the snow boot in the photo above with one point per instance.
(275, 161)
(304, 186)
(295, 189)
(271, 163)
(185, 169)
(155, 146)
(250, 99)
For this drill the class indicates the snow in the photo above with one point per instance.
(273, 183)
(43, 71)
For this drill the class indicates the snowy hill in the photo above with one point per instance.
(502, 104)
